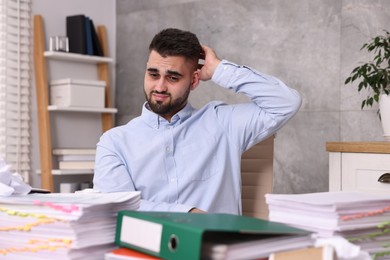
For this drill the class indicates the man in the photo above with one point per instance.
(185, 159)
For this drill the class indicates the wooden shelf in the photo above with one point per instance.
(83, 109)
(68, 172)
(74, 57)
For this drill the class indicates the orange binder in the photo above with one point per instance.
(128, 254)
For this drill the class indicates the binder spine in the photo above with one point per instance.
(157, 238)
(88, 38)
(76, 33)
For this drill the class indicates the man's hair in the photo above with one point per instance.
(176, 42)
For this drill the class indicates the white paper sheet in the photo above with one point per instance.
(11, 183)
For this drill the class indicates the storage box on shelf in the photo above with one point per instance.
(77, 93)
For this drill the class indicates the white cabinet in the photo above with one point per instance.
(359, 166)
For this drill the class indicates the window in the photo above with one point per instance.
(15, 84)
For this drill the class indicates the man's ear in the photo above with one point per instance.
(195, 79)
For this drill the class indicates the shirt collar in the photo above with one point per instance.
(155, 121)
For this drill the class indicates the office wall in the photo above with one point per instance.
(70, 129)
(312, 45)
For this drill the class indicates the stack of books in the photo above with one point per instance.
(169, 235)
(361, 218)
(75, 158)
(61, 226)
(82, 35)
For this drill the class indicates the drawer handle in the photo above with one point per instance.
(385, 178)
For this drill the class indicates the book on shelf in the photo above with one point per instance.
(76, 157)
(97, 47)
(88, 37)
(205, 236)
(61, 226)
(82, 35)
(76, 165)
(75, 31)
(360, 217)
(74, 151)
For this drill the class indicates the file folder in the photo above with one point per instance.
(176, 235)
(75, 31)
(127, 254)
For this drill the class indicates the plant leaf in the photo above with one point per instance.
(370, 101)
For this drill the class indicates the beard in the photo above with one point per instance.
(170, 108)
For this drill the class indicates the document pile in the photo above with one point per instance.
(362, 218)
(61, 226)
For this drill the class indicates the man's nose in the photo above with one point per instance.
(161, 85)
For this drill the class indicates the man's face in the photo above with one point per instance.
(168, 82)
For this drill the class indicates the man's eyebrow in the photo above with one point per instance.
(169, 72)
(152, 70)
(172, 72)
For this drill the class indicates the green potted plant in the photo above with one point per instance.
(374, 76)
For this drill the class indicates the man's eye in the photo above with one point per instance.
(173, 78)
(154, 75)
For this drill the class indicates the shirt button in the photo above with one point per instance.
(172, 180)
(168, 149)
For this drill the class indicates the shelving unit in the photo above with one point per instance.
(43, 107)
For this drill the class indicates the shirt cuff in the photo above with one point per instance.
(223, 73)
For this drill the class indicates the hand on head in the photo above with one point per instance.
(211, 62)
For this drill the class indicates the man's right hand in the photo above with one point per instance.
(211, 62)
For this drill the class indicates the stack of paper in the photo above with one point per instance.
(362, 218)
(61, 226)
(247, 247)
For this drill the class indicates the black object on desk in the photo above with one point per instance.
(37, 190)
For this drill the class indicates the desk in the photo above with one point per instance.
(358, 166)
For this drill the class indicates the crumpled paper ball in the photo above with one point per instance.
(11, 183)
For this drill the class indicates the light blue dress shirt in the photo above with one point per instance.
(194, 160)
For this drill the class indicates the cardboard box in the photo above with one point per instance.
(77, 93)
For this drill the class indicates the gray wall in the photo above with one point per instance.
(312, 45)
